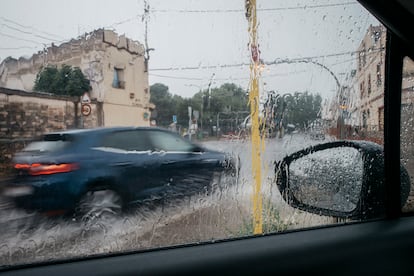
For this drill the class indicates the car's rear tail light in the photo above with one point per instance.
(22, 166)
(42, 169)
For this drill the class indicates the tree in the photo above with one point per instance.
(166, 105)
(302, 109)
(226, 98)
(67, 80)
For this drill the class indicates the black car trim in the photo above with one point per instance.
(356, 249)
(392, 107)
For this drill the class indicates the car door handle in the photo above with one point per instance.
(168, 162)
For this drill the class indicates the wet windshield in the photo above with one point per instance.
(232, 87)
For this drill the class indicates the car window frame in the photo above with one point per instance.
(170, 134)
(399, 44)
(132, 131)
(392, 105)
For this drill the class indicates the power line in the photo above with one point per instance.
(259, 9)
(16, 29)
(276, 61)
(28, 33)
(310, 6)
(22, 39)
(230, 78)
(17, 48)
(338, 54)
(200, 67)
(342, 62)
(373, 51)
(135, 17)
(29, 27)
(175, 77)
(50, 39)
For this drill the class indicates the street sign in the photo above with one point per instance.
(85, 98)
(196, 114)
(86, 109)
(190, 110)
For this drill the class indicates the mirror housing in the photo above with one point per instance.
(370, 201)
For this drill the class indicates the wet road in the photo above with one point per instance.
(226, 213)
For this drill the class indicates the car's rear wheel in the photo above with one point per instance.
(99, 204)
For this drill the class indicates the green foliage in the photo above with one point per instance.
(271, 221)
(166, 104)
(302, 108)
(66, 81)
(228, 97)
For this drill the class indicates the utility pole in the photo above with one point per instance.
(209, 89)
(251, 16)
(190, 119)
(145, 18)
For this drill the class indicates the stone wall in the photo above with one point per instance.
(25, 116)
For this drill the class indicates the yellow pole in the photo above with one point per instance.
(251, 15)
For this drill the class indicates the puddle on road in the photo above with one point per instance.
(191, 220)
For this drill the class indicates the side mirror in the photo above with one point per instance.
(342, 179)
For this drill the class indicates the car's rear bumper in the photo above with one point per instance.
(42, 193)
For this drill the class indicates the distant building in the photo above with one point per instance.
(369, 80)
(358, 107)
(407, 96)
(115, 66)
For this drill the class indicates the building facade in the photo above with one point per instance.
(115, 65)
(359, 108)
(368, 102)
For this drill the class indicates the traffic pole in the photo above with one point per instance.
(251, 16)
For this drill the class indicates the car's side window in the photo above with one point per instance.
(127, 140)
(164, 141)
(407, 127)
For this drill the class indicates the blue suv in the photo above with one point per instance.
(108, 169)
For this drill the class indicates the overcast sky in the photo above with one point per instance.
(189, 35)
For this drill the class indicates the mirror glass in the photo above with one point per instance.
(329, 179)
